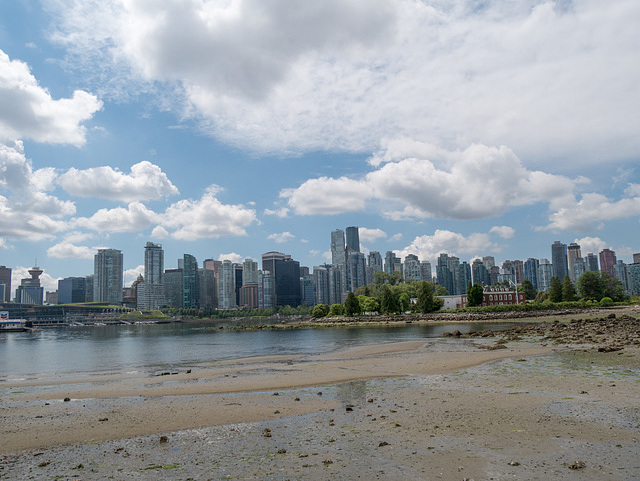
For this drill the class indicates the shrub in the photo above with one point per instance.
(606, 302)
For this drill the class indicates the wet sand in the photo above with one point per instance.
(440, 409)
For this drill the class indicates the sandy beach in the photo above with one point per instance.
(429, 409)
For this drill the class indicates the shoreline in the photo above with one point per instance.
(133, 402)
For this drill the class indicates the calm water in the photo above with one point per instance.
(67, 350)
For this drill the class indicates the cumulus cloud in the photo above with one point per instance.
(206, 218)
(27, 212)
(136, 217)
(503, 231)
(345, 74)
(327, 196)
(67, 250)
(591, 245)
(282, 212)
(592, 210)
(281, 237)
(477, 182)
(146, 181)
(429, 247)
(132, 274)
(371, 235)
(232, 256)
(27, 110)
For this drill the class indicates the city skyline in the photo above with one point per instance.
(500, 148)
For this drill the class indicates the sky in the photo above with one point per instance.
(226, 129)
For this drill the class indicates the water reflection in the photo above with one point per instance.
(65, 350)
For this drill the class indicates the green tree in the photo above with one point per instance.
(475, 295)
(405, 301)
(368, 304)
(612, 287)
(590, 286)
(389, 303)
(542, 296)
(530, 292)
(336, 310)
(441, 291)
(351, 305)
(555, 290)
(425, 297)
(568, 291)
(320, 310)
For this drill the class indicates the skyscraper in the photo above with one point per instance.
(607, 261)
(559, 263)
(173, 288)
(5, 284)
(151, 292)
(29, 291)
(412, 268)
(545, 273)
(339, 259)
(190, 283)
(249, 272)
(573, 254)
(227, 286)
(531, 271)
(286, 273)
(72, 290)
(591, 262)
(353, 239)
(107, 276)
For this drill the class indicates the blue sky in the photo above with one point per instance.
(226, 129)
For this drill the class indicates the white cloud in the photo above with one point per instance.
(27, 110)
(145, 182)
(232, 256)
(28, 212)
(345, 74)
(136, 217)
(503, 231)
(591, 245)
(396, 237)
(477, 182)
(327, 196)
(132, 274)
(207, 218)
(159, 232)
(282, 212)
(429, 247)
(67, 250)
(592, 210)
(371, 235)
(281, 237)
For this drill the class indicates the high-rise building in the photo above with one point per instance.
(227, 286)
(412, 269)
(321, 284)
(545, 273)
(353, 239)
(621, 273)
(190, 283)
(392, 263)
(72, 290)
(107, 276)
(465, 277)
(173, 288)
(338, 249)
(30, 291)
(489, 262)
(634, 277)
(286, 274)
(573, 254)
(591, 263)
(5, 284)
(636, 258)
(356, 266)
(266, 289)
(480, 273)
(374, 264)
(454, 267)
(249, 272)
(425, 271)
(151, 296)
(531, 271)
(559, 261)
(249, 295)
(607, 261)
(443, 273)
(207, 285)
(307, 290)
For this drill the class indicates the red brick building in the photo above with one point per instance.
(498, 296)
